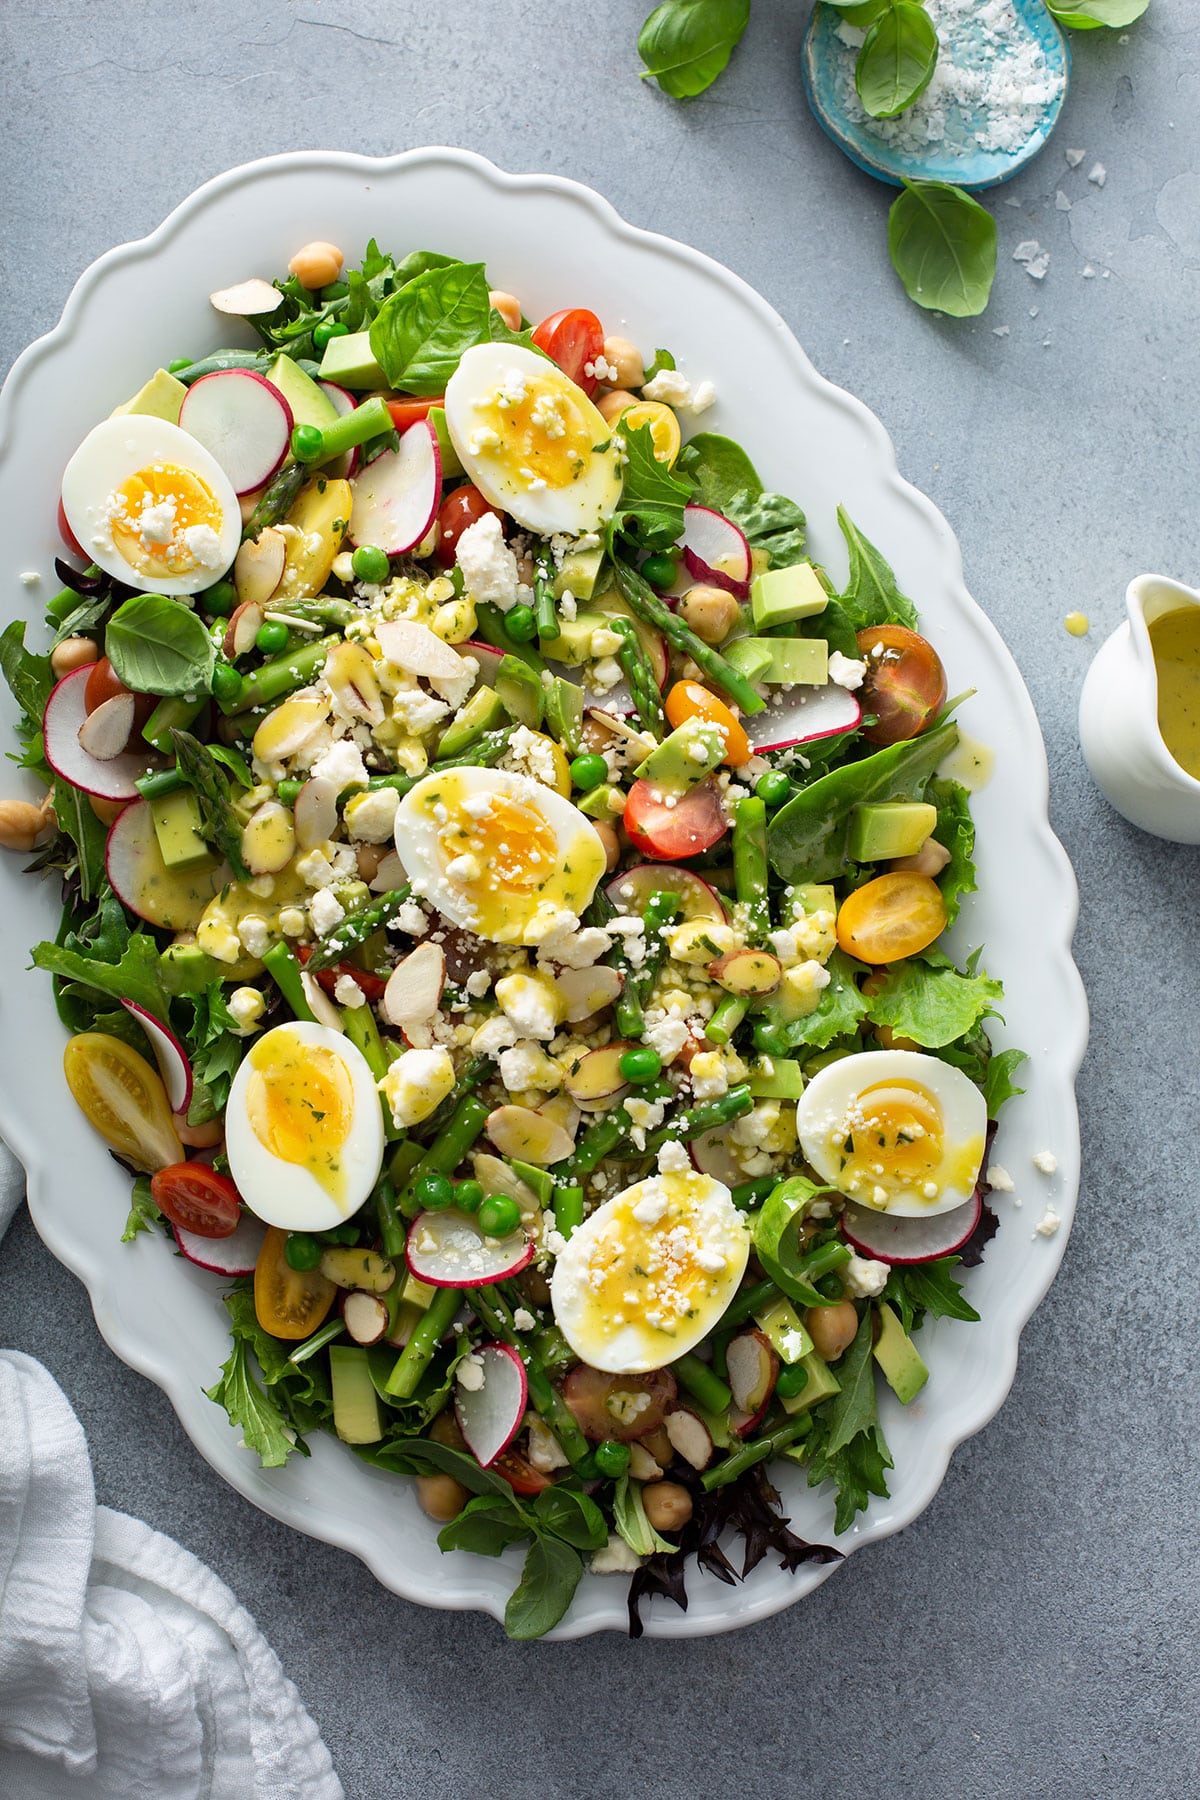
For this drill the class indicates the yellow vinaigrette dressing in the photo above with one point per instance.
(1175, 642)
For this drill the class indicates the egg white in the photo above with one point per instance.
(931, 1118)
(531, 440)
(650, 1273)
(498, 853)
(134, 447)
(284, 1192)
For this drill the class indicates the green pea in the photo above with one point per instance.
(773, 788)
(792, 1381)
(370, 564)
(520, 624)
(588, 771)
(612, 1457)
(288, 790)
(660, 569)
(435, 1192)
(179, 362)
(498, 1215)
(271, 637)
(308, 443)
(328, 328)
(226, 682)
(468, 1196)
(772, 1039)
(302, 1250)
(641, 1064)
(219, 600)
(830, 1287)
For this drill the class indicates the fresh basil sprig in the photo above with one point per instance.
(159, 646)
(943, 247)
(1092, 14)
(897, 59)
(422, 331)
(686, 44)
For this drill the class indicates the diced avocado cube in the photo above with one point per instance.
(882, 829)
(780, 596)
(186, 969)
(540, 1180)
(310, 404)
(484, 711)
(683, 758)
(784, 1330)
(573, 645)
(603, 803)
(898, 1357)
(776, 1078)
(798, 662)
(417, 1293)
(356, 1416)
(750, 656)
(348, 362)
(161, 398)
(519, 688)
(564, 713)
(821, 1383)
(451, 466)
(579, 572)
(177, 826)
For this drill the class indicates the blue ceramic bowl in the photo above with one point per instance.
(826, 61)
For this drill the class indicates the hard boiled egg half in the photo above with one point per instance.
(531, 441)
(151, 506)
(497, 853)
(303, 1128)
(897, 1131)
(651, 1271)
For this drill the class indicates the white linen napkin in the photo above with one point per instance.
(127, 1670)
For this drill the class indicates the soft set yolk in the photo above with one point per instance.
(153, 509)
(535, 430)
(300, 1103)
(892, 1142)
(647, 1274)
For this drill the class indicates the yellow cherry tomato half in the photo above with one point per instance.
(689, 700)
(289, 1303)
(124, 1098)
(664, 427)
(893, 916)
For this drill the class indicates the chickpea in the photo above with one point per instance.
(612, 845)
(368, 857)
(200, 1137)
(611, 406)
(929, 860)
(668, 1505)
(507, 305)
(625, 362)
(444, 1430)
(832, 1328)
(442, 1498)
(316, 265)
(710, 612)
(73, 653)
(20, 823)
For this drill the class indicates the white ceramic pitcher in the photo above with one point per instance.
(1118, 720)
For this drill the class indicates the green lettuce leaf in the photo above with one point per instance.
(135, 976)
(955, 831)
(772, 523)
(839, 1011)
(998, 1084)
(927, 999)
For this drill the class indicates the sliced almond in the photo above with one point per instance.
(105, 732)
(414, 987)
(316, 812)
(258, 567)
(753, 1367)
(588, 991)
(563, 1110)
(390, 875)
(245, 622)
(642, 1466)
(350, 673)
(529, 1136)
(597, 1075)
(247, 299)
(319, 1004)
(690, 1436)
(414, 647)
(747, 972)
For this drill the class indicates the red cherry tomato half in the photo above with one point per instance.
(458, 510)
(372, 985)
(68, 536)
(520, 1473)
(572, 339)
(410, 412)
(104, 684)
(669, 833)
(905, 684)
(197, 1198)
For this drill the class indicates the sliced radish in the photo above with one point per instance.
(232, 1255)
(488, 658)
(172, 1058)
(109, 778)
(715, 550)
(797, 715)
(243, 421)
(891, 1240)
(710, 1154)
(341, 398)
(490, 1415)
(753, 1368)
(342, 467)
(104, 734)
(247, 299)
(173, 899)
(396, 497)
(447, 1249)
(365, 1317)
(631, 892)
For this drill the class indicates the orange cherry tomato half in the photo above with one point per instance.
(197, 1198)
(289, 1303)
(905, 684)
(893, 916)
(689, 700)
(693, 823)
(411, 412)
(572, 339)
(457, 511)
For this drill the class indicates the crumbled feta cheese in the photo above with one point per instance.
(342, 764)
(669, 387)
(575, 949)
(489, 567)
(673, 1159)
(523, 1319)
(527, 1066)
(478, 983)
(1000, 1179)
(1048, 1224)
(864, 1278)
(255, 934)
(1046, 1161)
(246, 1007)
(616, 1558)
(371, 817)
(493, 1036)
(651, 1208)
(666, 1036)
(416, 710)
(545, 1451)
(709, 1079)
(532, 1003)
(648, 1114)
(325, 911)
(846, 671)
(470, 1372)
(315, 868)
(704, 395)
(412, 919)
(604, 675)
(531, 754)
(416, 1084)
(205, 546)
(347, 992)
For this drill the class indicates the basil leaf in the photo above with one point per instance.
(546, 1588)
(572, 1517)
(943, 247)
(771, 522)
(932, 1004)
(650, 509)
(418, 1456)
(897, 59)
(159, 646)
(720, 469)
(1093, 13)
(487, 1525)
(998, 1084)
(685, 44)
(420, 333)
(871, 596)
(854, 1409)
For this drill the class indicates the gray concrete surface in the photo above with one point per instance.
(1034, 1633)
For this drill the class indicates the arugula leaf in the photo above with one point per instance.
(29, 676)
(300, 1390)
(720, 469)
(218, 821)
(215, 1050)
(771, 522)
(653, 497)
(1093, 13)
(917, 1288)
(143, 1213)
(897, 59)
(998, 1085)
(857, 1471)
(547, 1586)
(135, 976)
(265, 1426)
(776, 1237)
(853, 1409)
(838, 1012)
(928, 1000)
(80, 826)
(159, 646)
(871, 596)
(629, 1517)
(943, 247)
(955, 831)
(487, 1525)
(421, 331)
(686, 44)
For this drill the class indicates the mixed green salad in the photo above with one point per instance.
(503, 892)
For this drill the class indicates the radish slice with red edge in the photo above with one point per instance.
(631, 892)
(243, 421)
(715, 550)
(710, 1156)
(232, 1255)
(172, 1058)
(172, 899)
(490, 1415)
(488, 658)
(447, 1249)
(396, 496)
(114, 777)
(891, 1240)
(799, 715)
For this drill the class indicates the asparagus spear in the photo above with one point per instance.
(750, 863)
(641, 599)
(755, 1450)
(545, 609)
(643, 687)
(691, 1124)
(430, 1328)
(356, 928)
(279, 497)
(447, 1149)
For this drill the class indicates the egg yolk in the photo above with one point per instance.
(153, 514)
(646, 1273)
(891, 1142)
(538, 430)
(300, 1104)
